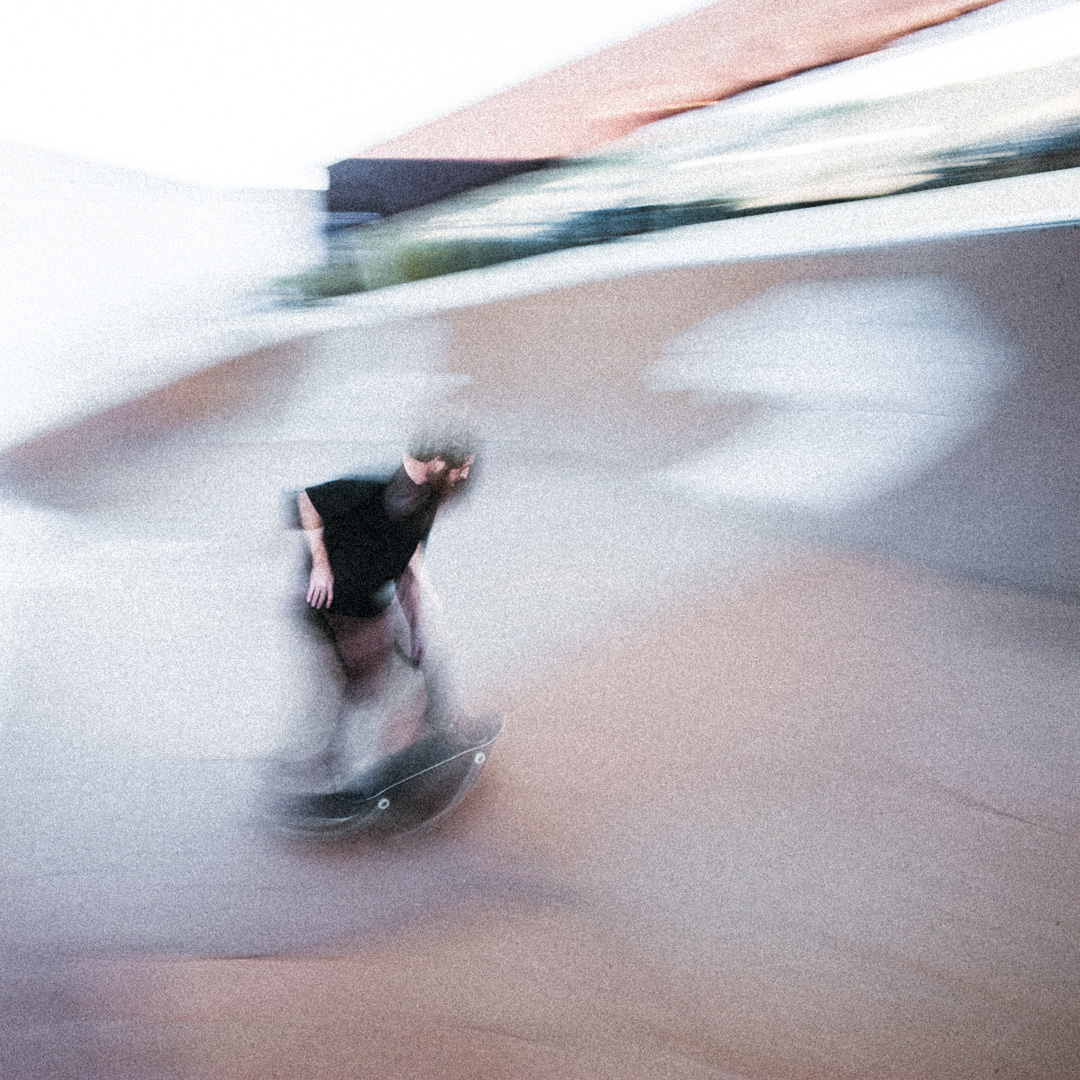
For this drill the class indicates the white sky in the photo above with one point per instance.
(268, 92)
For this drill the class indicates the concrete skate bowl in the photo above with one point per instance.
(787, 786)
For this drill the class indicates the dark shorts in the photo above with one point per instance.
(364, 644)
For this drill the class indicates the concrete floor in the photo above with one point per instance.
(823, 823)
(762, 809)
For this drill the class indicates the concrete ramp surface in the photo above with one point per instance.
(788, 786)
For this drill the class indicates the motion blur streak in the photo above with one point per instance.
(986, 97)
(762, 790)
(772, 565)
(858, 386)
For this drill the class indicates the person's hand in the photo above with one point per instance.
(321, 587)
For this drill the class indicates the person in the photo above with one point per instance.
(366, 538)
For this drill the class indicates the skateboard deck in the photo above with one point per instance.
(409, 788)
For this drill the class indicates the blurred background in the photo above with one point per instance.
(768, 319)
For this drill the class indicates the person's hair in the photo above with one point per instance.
(449, 439)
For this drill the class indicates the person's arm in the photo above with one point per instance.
(409, 588)
(321, 584)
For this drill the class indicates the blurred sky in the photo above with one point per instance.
(267, 93)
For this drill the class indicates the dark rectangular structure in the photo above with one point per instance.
(387, 186)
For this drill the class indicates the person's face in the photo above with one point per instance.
(445, 480)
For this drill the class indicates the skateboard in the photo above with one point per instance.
(405, 790)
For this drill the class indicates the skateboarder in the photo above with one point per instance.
(366, 537)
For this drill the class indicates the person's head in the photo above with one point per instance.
(445, 454)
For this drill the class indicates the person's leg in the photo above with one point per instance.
(443, 709)
(443, 706)
(317, 689)
(365, 646)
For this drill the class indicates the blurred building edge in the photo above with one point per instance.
(364, 190)
(692, 61)
(381, 186)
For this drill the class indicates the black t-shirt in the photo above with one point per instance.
(372, 527)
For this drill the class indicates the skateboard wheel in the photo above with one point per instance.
(383, 804)
(480, 758)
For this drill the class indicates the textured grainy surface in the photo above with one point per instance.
(757, 812)
(824, 825)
